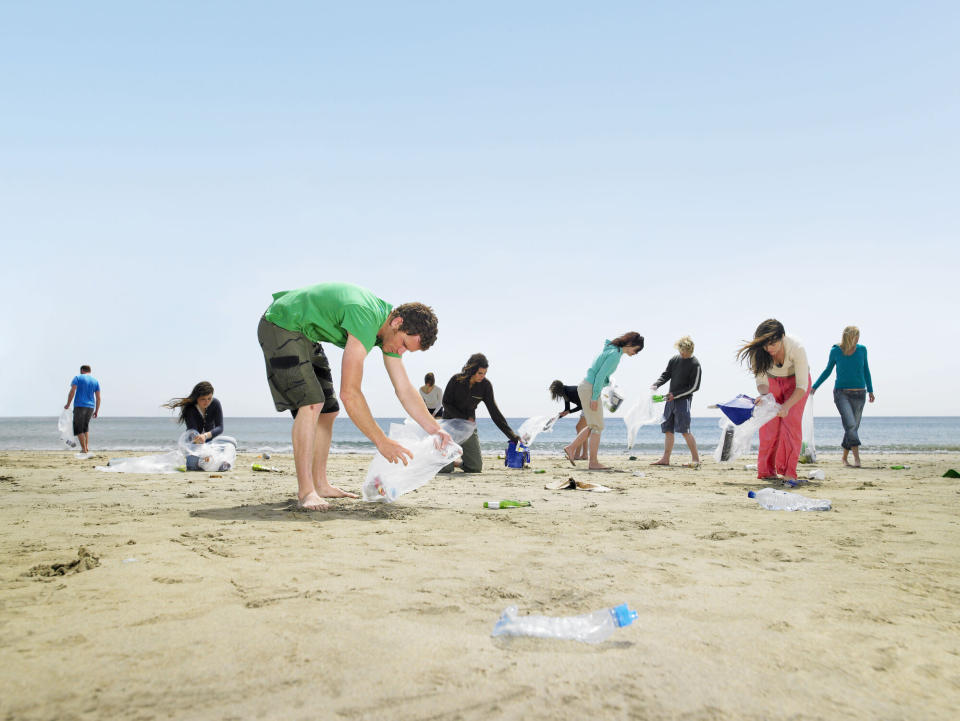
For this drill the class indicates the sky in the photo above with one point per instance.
(545, 175)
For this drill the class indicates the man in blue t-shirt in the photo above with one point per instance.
(85, 395)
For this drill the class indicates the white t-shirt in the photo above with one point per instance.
(794, 364)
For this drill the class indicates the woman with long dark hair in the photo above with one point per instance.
(464, 392)
(851, 388)
(199, 412)
(571, 404)
(598, 378)
(779, 365)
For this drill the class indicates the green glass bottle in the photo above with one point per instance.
(506, 504)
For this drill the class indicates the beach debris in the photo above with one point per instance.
(774, 500)
(574, 485)
(816, 474)
(640, 414)
(265, 469)
(534, 426)
(594, 627)
(84, 562)
(951, 473)
(506, 503)
(734, 445)
(899, 467)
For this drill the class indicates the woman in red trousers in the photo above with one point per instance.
(780, 366)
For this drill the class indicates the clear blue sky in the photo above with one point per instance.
(545, 174)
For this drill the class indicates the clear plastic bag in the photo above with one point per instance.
(642, 413)
(386, 481)
(744, 433)
(65, 426)
(808, 449)
(536, 425)
(220, 454)
(612, 396)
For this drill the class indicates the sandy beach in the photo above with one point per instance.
(204, 597)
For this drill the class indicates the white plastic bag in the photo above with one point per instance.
(743, 434)
(220, 454)
(612, 396)
(808, 450)
(386, 481)
(534, 426)
(642, 413)
(65, 426)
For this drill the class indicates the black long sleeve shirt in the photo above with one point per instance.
(683, 374)
(212, 421)
(460, 400)
(571, 397)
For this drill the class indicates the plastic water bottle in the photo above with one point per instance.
(774, 500)
(506, 504)
(659, 399)
(594, 627)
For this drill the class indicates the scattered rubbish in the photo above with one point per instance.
(750, 467)
(774, 500)
(265, 469)
(816, 474)
(951, 474)
(900, 468)
(506, 504)
(575, 485)
(265, 456)
(633, 458)
(540, 470)
(129, 560)
(593, 627)
(640, 474)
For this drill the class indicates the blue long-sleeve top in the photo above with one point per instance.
(603, 367)
(853, 371)
(212, 421)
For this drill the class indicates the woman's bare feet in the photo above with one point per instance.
(856, 457)
(312, 502)
(569, 455)
(598, 467)
(661, 462)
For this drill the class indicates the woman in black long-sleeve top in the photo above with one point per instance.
(571, 404)
(464, 392)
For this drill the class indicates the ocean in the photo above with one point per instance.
(255, 435)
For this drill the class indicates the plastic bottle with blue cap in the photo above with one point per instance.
(594, 627)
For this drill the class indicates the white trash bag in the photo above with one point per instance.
(532, 427)
(386, 481)
(218, 455)
(65, 426)
(642, 413)
(743, 434)
(808, 449)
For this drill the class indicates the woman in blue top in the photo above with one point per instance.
(851, 388)
(598, 378)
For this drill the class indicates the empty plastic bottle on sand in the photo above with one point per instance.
(594, 627)
(774, 500)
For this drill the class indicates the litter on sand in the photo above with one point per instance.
(575, 485)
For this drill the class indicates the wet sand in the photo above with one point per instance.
(202, 597)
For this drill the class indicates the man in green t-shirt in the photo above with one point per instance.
(290, 334)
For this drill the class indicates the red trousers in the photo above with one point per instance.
(780, 439)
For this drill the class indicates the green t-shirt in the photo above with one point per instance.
(328, 311)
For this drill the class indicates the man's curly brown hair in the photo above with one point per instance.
(418, 319)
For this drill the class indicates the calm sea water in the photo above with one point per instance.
(254, 435)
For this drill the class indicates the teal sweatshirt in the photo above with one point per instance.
(603, 367)
(853, 371)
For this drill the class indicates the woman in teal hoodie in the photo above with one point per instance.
(598, 378)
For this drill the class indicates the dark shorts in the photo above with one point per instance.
(81, 420)
(676, 416)
(297, 370)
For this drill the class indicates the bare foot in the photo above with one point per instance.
(312, 502)
(661, 462)
(328, 491)
(566, 452)
(599, 468)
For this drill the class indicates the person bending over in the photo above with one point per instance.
(571, 404)
(432, 395)
(291, 333)
(201, 413)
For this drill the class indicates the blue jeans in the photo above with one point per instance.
(850, 404)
